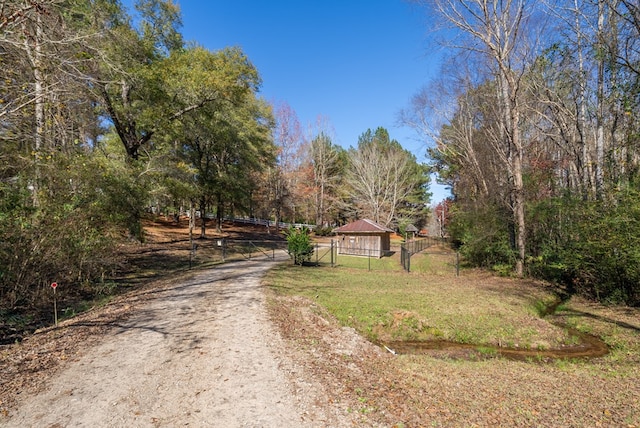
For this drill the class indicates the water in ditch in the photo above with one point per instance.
(588, 346)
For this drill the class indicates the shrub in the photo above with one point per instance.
(323, 230)
(590, 246)
(299, 245)
(71, 236)
(483, 238)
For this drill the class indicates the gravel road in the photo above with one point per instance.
(200, 352)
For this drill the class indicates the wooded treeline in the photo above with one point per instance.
(105, 116)
(536, 124)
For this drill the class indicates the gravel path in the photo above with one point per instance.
(198, 353)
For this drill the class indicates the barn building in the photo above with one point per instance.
(363, 238)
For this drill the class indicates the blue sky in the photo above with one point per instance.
(356, 63)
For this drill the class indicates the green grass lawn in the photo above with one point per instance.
(387, 303)
(431, 302)
(384, 304)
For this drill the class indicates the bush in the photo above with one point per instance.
(605, 257)
(299, 245)
(323, 231)
(590, 246)
(483, 238)
(70, 237)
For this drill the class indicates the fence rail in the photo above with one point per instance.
(412, 247)
(269, 223)
(224, 250)
(252, 220)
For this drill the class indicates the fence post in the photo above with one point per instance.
(369, 259)
(224, 249)
(336, 260)
(331, 253)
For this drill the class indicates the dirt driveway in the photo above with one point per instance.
(200, 352)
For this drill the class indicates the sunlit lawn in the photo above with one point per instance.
(387, 303)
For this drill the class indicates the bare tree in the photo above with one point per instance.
(45, 99)
(598, 44)
(381, 176)
(498, 30)
(285, 178)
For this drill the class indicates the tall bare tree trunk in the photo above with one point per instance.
(511, 118)
(519, 201)
(599, 174)
(34, 54)
(585, 169)
(500, 29)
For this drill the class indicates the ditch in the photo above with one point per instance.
(589, 346)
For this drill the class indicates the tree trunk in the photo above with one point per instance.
(584, 162)
(34, 54)
(219, 214)
(511, 120)
(519, 217)
(192, 223)
(599, 178)
(203, 210)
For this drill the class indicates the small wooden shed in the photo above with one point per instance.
(364, 238)
(411, 230)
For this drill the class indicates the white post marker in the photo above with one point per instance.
(55, 308)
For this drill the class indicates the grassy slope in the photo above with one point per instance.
(431, 302)
(387, 303)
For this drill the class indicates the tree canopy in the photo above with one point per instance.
(541, 145)
(105, 116)
(101, 119)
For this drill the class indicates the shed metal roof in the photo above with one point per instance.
(362, 226)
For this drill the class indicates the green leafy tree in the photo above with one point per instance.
(225, 143)
(62, 212)
(326, 175)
